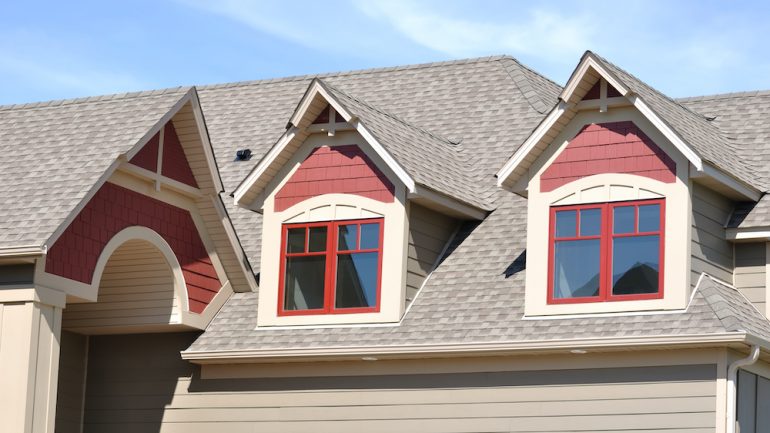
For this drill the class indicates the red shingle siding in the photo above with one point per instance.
(114, 208)
(147, 157)
(175, 165)
(619, 147)
(340, 169)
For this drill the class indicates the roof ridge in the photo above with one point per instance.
(91, 99)
(727, 95)
(522, 65)
(355, 72)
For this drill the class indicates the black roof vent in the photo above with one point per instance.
(243, 154)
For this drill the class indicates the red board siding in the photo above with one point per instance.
(175, 165)
(323, 117)
(114, 208)
(147, 157)
(619, 147)
(595, 92)
(340, 169)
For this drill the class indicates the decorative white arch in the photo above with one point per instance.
(148, 235)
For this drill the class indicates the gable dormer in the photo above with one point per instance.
(346, 198)
(609, 181)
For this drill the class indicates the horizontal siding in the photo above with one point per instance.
(124, 396)
(750, 278)
(137, 288)
(711, 252)
(429, 232)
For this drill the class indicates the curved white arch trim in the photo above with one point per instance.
(148, 235)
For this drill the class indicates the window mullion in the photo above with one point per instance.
(606, 253)
(331, 261)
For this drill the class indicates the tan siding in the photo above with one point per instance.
(429, 232)
(137, 287)
(72, 375)
(125, 396)
(750, 263)
(711, 252)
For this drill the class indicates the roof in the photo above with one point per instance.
(474, 102)
(712, 143)
(446, 312)
(54, 153)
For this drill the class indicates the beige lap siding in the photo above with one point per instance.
(429, 232)
(750, 272)
(710, 251)
(124, 395)
(137, 288)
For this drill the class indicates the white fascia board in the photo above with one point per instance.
(737, 234)
(263, 165)
(386, 156)
(208, 149)
(667, 131)
(577, 76)
(531, 142)
(235, 356)
(159, 124)
(719, 176)
(22, 251)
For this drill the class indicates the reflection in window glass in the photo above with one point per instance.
(356, 280)
(635, 265)
(566, 221)
(576, 269)
(347, 237)
(370, 236)
(623, 219)
(590, 222)
(649, 218)
(295, 241)
(317, 241)
(304, 282)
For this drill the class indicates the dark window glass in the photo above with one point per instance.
(317, 242)
(347, 237)
(370, 236)
(295, 242)
(356, 280)
(576, 269)
(566, 222)
(635, 265)
(590, 222)
(304, 282)
(623, 219)
(649, 218)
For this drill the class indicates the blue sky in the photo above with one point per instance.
(62, 49)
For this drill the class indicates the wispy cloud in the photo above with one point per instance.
(540, 31)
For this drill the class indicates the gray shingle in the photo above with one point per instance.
(54, 152)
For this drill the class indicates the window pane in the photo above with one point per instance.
(317, 240)
(356, 280)
(623, 219)
(649, 218)
(576, 269)
(370, 236)
(590, 222)
(635, 265)
(566, 222)
(304, 283)
(295, 241)
(347, 237)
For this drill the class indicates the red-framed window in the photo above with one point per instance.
(331, 267)
(606, 252)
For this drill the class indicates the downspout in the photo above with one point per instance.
(732, 384)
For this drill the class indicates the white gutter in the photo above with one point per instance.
(732, 375)
(22, 251)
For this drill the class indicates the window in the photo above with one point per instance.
(331, 267)
(606, 252)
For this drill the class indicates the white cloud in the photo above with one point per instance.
(539, 32)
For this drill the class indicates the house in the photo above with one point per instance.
(452, 247)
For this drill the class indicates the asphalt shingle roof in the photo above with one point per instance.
(54, 152)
